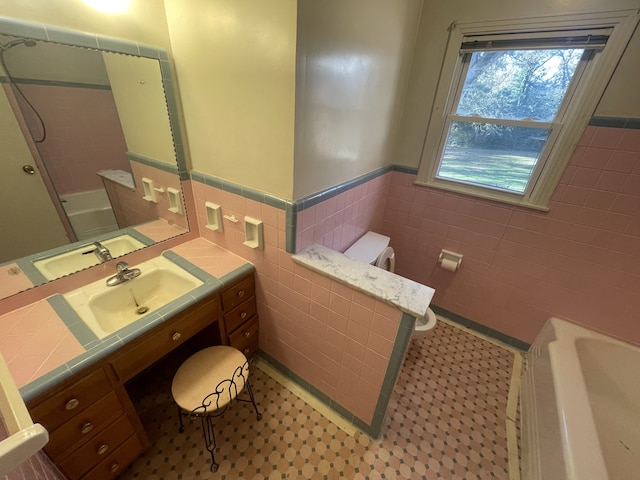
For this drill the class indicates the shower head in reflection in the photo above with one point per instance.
(27, 42)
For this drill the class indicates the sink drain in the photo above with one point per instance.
(142, 310)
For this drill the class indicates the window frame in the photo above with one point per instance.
(580, 102)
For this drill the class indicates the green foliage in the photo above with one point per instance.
(512, 85)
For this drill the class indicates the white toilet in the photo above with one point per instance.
(374, 249)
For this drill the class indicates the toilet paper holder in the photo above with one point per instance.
(450, 260)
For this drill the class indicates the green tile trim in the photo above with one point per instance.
(306, 386)
(52, 33)
(615, 122)
(152, 162)
(40, 31)
(72, 320)
(43, 383)
(393, 370)
(18, 28)
(291, 219)
(55, 83)
(243, 191)
(237, 274)
(477, 327)
(405, 169)
(335, 190)
(374, 430)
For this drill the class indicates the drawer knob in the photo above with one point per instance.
(114, 467)
(86, 427)
(71, 404)
(241, 293)
(176, 336)
(246, 333)
(243, 315)
(246, 351)
(102, 449)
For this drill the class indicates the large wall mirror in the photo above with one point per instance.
(90, 152)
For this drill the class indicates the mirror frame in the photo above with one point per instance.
(60, 35)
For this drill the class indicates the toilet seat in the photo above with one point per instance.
(424, 325)
(387, 260)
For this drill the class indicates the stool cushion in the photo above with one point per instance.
(218, 369)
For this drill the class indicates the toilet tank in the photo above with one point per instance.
(368, 247)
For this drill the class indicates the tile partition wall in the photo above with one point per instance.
(128, 205)
(579, 261)
(341, 344)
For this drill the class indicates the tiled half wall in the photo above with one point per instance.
(579, 261)
(346, 347)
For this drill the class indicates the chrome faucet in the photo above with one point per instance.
(123, 274)
(102, 252)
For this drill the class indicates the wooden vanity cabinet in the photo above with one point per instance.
(239, 312)
(94, 430)
(150, 347)
(89, 417)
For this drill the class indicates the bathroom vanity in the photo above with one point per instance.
(93, 426)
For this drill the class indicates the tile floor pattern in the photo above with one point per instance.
(446, 421)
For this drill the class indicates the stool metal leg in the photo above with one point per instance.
(208, 432)
(253, 400)
(180, 414)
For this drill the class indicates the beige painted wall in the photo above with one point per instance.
(144, 21)
(621, 97)
(618, 100)
(235, 65)
(137, 89)
(353, 63)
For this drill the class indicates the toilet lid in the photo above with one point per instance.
(387, 260)
(368, 247)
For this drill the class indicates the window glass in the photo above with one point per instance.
(517, 84)
(493, 156)
(499, 127)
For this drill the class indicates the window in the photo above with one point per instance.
(513, 100)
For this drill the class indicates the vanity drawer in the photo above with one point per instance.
(245, 338)
(97, 449)
(59, 408)
(238, 293)
(120, 458)
(144, 351)
(240, 314)
(84, 426)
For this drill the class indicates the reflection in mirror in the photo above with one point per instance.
(87, 154)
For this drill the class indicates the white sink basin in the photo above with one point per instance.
(108, 309)
(83, 257)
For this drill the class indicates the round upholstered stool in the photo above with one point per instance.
(206, 383)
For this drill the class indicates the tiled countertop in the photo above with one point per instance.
(46, 342)
(409, 296)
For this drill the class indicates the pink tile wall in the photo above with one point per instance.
(131, 209)
(83, 134)
(338, 222)
(579, 261)
(337, 339)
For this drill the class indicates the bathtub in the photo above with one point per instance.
(580, 406)
(89, 213)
